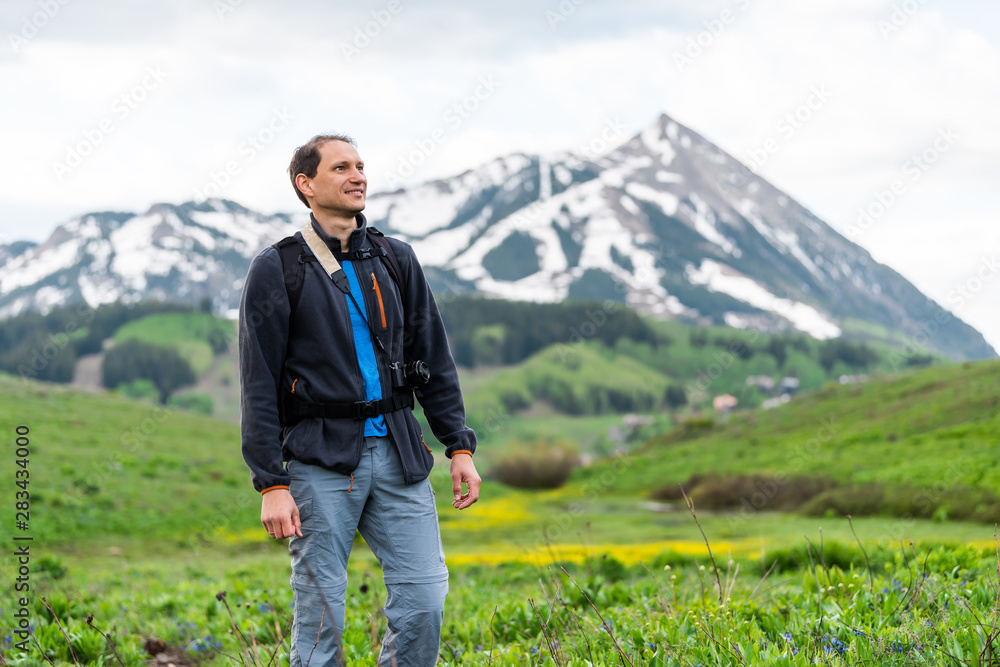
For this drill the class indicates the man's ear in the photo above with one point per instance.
(302, 183)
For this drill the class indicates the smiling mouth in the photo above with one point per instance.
(356, 193)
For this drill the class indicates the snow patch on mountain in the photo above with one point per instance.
(440, 247)
(49, 296)
(721, 278)
(666, 201)
(629, 205)
(602, 231)
(38, 264)
(96, 291)
(704, 223)
(420, 211)
(668, 177)
(653, 139)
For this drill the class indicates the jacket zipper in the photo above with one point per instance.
(357, 374)
(378, 295)
(383, 375)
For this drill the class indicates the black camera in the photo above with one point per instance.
(411, 375)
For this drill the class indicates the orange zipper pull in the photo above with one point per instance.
(378, 295)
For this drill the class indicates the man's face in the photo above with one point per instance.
(340, 185)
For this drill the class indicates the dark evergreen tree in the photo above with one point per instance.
(135, 360)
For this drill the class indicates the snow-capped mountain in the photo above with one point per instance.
(671, 224)
(182, 253)
(667, 222)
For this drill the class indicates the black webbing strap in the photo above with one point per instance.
(295, 409)
(292, 259)
(364, 253)
(379, 239)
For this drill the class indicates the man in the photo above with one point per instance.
(319, 337)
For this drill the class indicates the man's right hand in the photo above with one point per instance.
(280, 514)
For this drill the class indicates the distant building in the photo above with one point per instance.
(789, 385)
(762, 382)
(724, 403)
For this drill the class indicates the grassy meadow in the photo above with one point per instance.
(141, 515)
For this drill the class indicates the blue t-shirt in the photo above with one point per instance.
(365, 349)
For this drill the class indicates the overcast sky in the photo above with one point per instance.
(887, 106)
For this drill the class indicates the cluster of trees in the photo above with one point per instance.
(856, 356)
(134, 360)
(492, 331)
(46, 347)
(853, 355)
(571, 399)
(675, 396)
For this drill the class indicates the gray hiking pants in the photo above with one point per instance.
(400, 525)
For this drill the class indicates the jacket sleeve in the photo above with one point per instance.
(263, 337)
(424, 338)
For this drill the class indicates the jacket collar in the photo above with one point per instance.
(355, 241)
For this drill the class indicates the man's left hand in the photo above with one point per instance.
(463, 470)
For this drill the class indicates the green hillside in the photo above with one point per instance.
(104, 466)
(197, 336)
(926, 440)
(586, 380)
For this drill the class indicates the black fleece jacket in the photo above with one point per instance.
(314, 352)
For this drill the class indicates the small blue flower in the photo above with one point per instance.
(263, 607)
(834, 645)
(533, 650)
(787, 635)
(478, 647)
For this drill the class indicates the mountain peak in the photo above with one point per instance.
(666, 222)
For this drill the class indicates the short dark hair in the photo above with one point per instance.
(305, 159)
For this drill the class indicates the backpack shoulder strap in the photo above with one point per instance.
(379, 239)
(293, 260)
